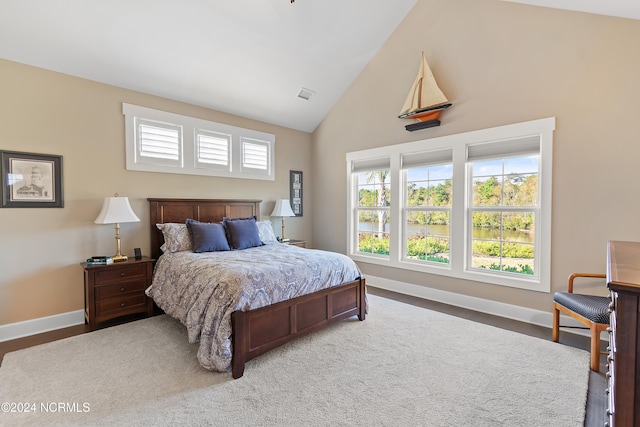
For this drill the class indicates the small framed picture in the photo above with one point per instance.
(31, 180)
(295, 191)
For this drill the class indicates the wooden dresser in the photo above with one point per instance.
(117, 289)
(623, 363)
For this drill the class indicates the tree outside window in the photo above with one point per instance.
(374, 198)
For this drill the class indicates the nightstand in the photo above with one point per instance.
(116, 290)
(301, 243)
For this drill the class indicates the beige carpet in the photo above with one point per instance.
(403, 366)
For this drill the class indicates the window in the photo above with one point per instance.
(213, 150)
(475, 206)
(372, 211)
(255, 156)
(504, 205)
(427, 206)
(158, 141)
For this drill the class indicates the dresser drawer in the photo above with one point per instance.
(116, 289)
(120, 305)
(117, 275)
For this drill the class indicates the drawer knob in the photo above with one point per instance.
(122, 274)
(122, 289)
(122, 305)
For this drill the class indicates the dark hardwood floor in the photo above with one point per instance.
(596, 399)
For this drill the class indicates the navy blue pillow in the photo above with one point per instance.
(207, 236)
(242, 233)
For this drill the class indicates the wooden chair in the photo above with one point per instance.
(590, 310)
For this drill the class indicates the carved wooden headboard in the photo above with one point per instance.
(205, 210)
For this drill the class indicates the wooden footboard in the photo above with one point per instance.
(258, 331)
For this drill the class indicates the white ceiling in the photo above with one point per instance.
(244, 57)
(619, 8)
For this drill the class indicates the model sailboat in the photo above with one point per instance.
(425, 101)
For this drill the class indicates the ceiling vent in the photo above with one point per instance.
(305, 94)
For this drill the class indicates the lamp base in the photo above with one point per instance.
(119, 258)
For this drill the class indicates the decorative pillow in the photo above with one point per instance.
(207, 236)
(176, 237)
(265, 230)
(242, 233)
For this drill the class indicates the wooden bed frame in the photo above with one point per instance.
(258, 331)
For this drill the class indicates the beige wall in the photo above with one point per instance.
(52, 113)
(502, 63)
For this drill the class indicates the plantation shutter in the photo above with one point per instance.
(255, 155)
(159, 143)
(212, 149)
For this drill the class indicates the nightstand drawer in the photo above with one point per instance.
(116, 289)
(120, 305)
(299, 243)
(117, 275)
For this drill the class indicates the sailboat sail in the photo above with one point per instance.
(425, 95)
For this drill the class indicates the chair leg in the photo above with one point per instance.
(595, 348)
(555, 331)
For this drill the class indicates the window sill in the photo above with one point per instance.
(510, 280)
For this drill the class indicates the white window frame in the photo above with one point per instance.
(249, 164)
(460, 227)
(170, 145)
(422, 159)
(356, 169)
(502, 150)
(223, 160)
(191, 128)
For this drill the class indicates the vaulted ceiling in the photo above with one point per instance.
(245, 57)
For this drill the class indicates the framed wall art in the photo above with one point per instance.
(31, 180)
(295, 196)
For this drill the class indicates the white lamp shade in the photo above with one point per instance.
(116, 210)
(282, 208)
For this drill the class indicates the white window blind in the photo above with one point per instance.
(427, 158)
(159, 143)
(255, 154)
(381, 163)
(213, 149)
(506, 148)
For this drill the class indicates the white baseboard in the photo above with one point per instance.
(509, 311)
(40, 325)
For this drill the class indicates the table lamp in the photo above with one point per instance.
(114, 211)
(283, 209)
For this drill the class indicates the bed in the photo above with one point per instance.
(252, 331)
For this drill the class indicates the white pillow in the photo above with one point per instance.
(176, 237)
(265, 231)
